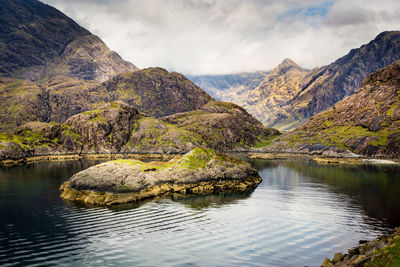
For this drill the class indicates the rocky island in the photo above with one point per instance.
(201, 171)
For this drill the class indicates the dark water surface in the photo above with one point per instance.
(301, 213)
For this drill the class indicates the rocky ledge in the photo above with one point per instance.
(383, 251)
(201, 171)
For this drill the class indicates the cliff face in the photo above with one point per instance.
(38, 42)
(367, 123)
(119, 128)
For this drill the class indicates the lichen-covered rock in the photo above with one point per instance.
(200, 171)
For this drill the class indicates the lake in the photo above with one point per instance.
(301, 213)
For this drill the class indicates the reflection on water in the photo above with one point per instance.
(300, 213)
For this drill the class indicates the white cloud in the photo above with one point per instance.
(224, 36)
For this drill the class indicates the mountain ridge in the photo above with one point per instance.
(38, 42)
(365, 123)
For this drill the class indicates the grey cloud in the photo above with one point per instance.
(222, 36)
(350, 17)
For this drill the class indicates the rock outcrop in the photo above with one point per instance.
(38, 42)
(119, 128)
(383, 251)
(201, 171)
(366, 123)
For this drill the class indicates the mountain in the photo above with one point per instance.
(119, 128)
(280, 86)
(290, 95)
(51, 69)
(366, 123)
(229, 87)
(156, 92)
(153, 91)
(38, 42)
(327, 85)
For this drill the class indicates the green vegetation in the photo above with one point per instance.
(145, 166)
(388, 256)
(26, 140)
(263, 142)
(197, 159)
(331, 135)
(200, 157)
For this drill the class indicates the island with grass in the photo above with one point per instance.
(201, 171)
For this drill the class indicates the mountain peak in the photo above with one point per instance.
(287, 65)
(39, 42)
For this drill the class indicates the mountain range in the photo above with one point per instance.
(64, 91)
(289, 95)
(366, 123)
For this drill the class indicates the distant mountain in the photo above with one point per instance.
(327, 85)
(38, 42)
(230, 87)
(279, 87)
(287, 98)
(366, 123)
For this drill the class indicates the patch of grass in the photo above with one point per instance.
(262, 142)
(197, 159)
(389, 256)
(145, 166)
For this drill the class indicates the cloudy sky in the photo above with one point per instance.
(226, 36)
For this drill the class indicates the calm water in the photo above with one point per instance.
(301, 213)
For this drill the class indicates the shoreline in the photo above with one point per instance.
(325, 160)
(385, 249)
(164, 189)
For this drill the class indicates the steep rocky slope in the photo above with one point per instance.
(289, 97)
(21, 101)
(38, 42)
(152, 91)
(367, 123)
(119, 128)
(280, 86)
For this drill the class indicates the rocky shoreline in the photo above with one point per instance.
(383, 251)
(91, 156)
(165, 157)
(201, 171)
